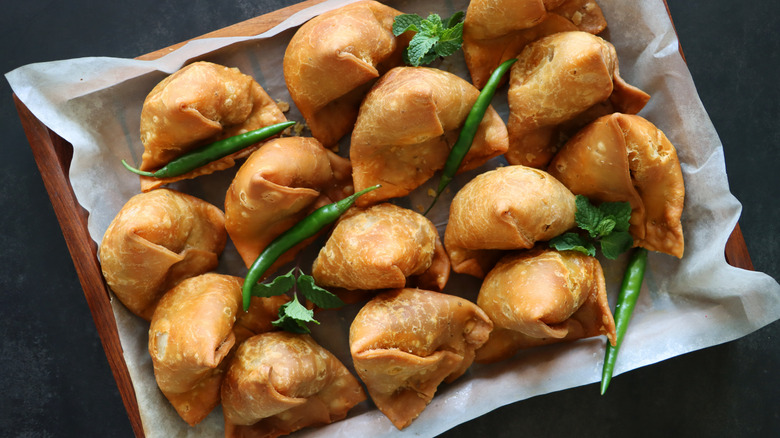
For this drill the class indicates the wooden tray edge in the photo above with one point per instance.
(52, 154)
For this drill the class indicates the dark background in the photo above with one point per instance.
(54, 377)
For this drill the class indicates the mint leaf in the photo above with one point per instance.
(615, 244)
(450, 41)
(419, 47)
(588, 216)
(603, 228)
(405, 22)
(573, 242)
(456, 19)
(432, 25)
(606, 225)
(619, 211)
(278, 286)
(434, 38)
(317, 295)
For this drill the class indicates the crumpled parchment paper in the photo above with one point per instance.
(688, 304)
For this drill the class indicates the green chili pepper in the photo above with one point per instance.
(308, 227)
(470, 127)
(626, 301)
(212, 152)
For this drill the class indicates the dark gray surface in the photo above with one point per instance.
(55, 380)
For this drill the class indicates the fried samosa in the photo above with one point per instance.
(382, 247)
(199, 104)
(405, 342)
(625, 158)
(508, 208)
(407, 124)
(490, 38)
(543, 296)
(158, 239)
(280, 382)
(276, 187)
(332, 61)
(193, 330)
(558, 85)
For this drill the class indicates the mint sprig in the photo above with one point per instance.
(293, 315)
(434, 37)
(606, 225)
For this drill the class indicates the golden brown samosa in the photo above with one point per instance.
(199, 104)
(156, 240)
(382, 247)
(558, 84)
(508, 208)
(193, 330)
(277, 186)
(407, 124)
(543, 296)
(405, 342)
(280, 382)
(497, 30)
(625, 158)
(332, 61)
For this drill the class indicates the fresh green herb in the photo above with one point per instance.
(626, 301)
(434, 38)
(293, 316)
(308, 227)
(606, 225)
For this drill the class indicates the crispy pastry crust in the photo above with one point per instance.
(497, 30)
(543, 296)
(156, 240)
(277, 186)
(508, 208)
(559, 84)
(199, 104)
(625, 158)
(332, 61)
(381, 247)
(407, 124)
(192, 333)
(405, 342)
(281, 382)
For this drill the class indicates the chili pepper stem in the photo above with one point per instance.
(626, 301)
(136, 171)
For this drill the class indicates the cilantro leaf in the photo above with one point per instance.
(293, 317)
(573, 242)
(615, 244)
(278, 286)
(405, 22)
(434, 37)
(317, 295)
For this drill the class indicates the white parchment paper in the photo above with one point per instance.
(688, 304)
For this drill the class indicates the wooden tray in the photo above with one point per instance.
(53, 156)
